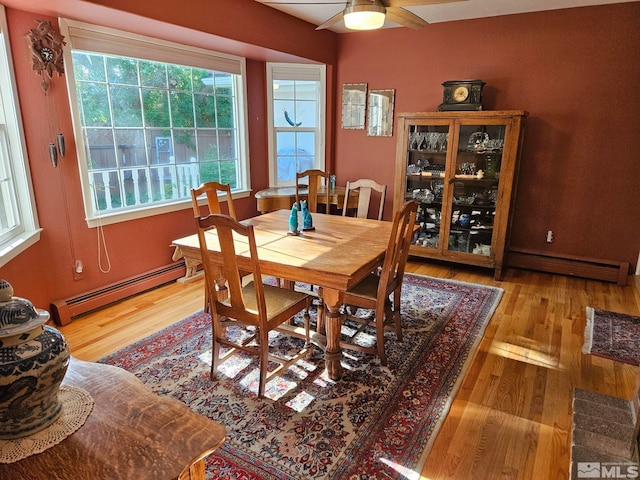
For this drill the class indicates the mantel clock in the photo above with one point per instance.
(462, 95)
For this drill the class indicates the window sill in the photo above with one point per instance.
(110, 219)
(19, 245)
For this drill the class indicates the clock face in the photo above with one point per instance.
(46, 54)
(460, 94)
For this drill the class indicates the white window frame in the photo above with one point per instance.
(103, 40)
(296, 71)
(27, 230)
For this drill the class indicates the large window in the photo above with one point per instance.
(296, 120)
(152, 120)
(18, 221)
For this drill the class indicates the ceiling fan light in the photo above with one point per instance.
(364, 15)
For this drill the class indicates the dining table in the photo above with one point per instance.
(338, 253)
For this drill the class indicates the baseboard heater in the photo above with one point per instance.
(598, 269)
(63, 310)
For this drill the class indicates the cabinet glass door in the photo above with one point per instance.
(475, 188)
(425, 178)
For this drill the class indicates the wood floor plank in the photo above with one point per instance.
(511, 418)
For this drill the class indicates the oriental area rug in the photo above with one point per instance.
(612, 335)
(376, 422)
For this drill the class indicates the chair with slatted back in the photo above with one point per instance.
(263, 307)
(316, 179)
(211, 191)
(365, 188)
(373, 291)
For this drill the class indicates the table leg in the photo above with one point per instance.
(333, 353)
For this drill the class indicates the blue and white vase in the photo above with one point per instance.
(33, 361)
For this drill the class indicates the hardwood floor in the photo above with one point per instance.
(511, 418)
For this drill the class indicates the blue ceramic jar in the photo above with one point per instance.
(33, 361)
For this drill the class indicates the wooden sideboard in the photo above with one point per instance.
(130, 433)
(282, 198)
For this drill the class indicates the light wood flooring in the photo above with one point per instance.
(511, 418)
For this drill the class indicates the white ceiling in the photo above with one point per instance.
(318, 11)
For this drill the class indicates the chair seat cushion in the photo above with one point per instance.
(277, 299)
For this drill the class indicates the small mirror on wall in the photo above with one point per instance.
(354, 102)
(380, 113)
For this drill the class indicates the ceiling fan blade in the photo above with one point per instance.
(332, 21)
(416, 3)
(405, 18)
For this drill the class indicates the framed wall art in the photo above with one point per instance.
(380, 113)
(354, 103)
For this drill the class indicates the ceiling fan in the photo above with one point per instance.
(371, 14)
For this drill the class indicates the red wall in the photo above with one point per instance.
(576, 72)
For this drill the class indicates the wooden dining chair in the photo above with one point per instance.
(211, 190)
(315, 180)
(263, 307)
(365, 188)
(373, 291)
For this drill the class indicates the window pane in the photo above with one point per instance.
(156, 108)
(179, 78)
(283, 89)
(126, 106)
(185, 146)
(153, 74)
(182, 109)
(295, 154)
(205, 111)
(306, 90)
(95, 110)
(130, 147)
(306, 113)
(89, 67)
(99, 146)
(9, 219)
(122, 70)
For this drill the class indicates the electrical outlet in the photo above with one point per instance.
(549, 236)
(78, 269)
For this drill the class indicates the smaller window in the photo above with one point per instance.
(19, 227)
(296, 120)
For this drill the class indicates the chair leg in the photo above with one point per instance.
(215, 354)
(380, 318)
(396, 313)
(307, 332)
(264, 360)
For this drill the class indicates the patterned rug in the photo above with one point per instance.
(375, 423)
(612, 335)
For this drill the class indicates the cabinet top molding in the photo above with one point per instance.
(465, 114)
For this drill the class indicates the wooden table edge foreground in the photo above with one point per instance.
(130, 433)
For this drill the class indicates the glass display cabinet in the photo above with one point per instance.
(462, 168)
